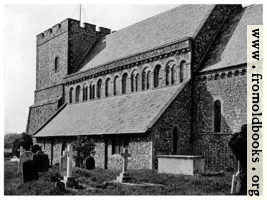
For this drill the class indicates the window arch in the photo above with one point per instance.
(70, 95)
(99, 88)
(148, 74)
(134, 81)
(217, 116)
(124, 83)
(77, 93)
(92, 90)
(56, 64)
(85, 92)
(156, 75)
(107, 87)
(116, 85)
(182, 71)
(167, 74)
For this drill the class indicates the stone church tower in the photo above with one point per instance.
(59, 50)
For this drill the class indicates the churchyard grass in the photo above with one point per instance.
(99, 179)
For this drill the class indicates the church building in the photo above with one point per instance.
(173, 84)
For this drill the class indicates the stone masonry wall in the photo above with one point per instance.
(39, 114)
(140, 148)
(230, 88)
(178, 114)
(48, 94)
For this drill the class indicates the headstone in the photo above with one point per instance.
(63, 165)
(69, 180)
(29, 171)
(90, 163)
(41, 161)
(124, 176)
(27, 155)
(21, 150)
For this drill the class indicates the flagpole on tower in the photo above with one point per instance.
(80, 13)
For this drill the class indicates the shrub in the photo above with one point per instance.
(85, 148)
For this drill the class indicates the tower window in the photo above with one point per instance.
(217, 116)
(56, 64)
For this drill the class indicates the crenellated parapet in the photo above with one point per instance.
(70, 25)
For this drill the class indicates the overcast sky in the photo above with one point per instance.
(24, 22)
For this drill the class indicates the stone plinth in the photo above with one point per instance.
(124, 178)
(180, 164)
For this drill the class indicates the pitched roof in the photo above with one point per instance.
(131, 113)
(170, 26)
(230, 46)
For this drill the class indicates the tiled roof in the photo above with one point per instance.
(130, 113)
(173, 25)
(230, 46)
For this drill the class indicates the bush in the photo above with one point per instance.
(85, 148)
(23, 140)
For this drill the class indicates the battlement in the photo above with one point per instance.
(70, 25)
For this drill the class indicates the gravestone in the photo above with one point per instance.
(90, 163)
(41, 161)
(21, 150)
(27, 155)
(63, 165)
(30, 172)
(68, 179)
(124, 176)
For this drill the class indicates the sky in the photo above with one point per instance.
(21, 25)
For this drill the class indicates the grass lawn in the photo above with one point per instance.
(98, 181)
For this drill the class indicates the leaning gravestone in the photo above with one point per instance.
(41, 161)
(90, 163)
(30, 172)
(27, 155)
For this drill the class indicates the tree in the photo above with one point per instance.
(23, 140)
(26, 141)
(85, 148)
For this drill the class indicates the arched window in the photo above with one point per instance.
(174, 140)
(217, 116)
(56, 64)
(92, 91)
(77, 93)
(99, 88)
(167, 73)
(132, 82)
(147, 79)
(136, 82)
(85, 92)
(172, 75)
(115, 85)
(124, 83)
(182, 69)
(107, 86)
(70, 95)
(156, 76)
(143, 79)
